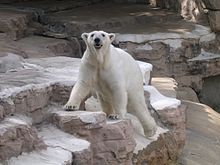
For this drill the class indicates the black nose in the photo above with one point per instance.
(97, 40)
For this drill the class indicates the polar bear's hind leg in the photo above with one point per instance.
(137, 107)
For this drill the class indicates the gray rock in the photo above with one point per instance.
(17, 136)
(14, 22)
(160, 149)
(214, 17)
(212, 4)
(79, 148)
(199, 118)
(74, 122)
(10, 62)
(106, 138)
(51, 155)
(30, 91)
(1, 112)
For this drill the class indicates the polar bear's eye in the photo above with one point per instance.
(103, 35)
(92, 35)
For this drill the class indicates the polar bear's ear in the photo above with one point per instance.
(85, 36)
(111, 36)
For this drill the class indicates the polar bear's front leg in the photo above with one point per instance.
(78, 93)
(106, 105)
(120, 99)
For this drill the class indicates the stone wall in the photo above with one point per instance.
(194, 10)
(210, 93)
(213, 7)
(189, 9)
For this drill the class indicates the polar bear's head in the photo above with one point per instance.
(99, 40)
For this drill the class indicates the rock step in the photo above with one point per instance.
(39, 46)
(111, 141)
(59, 148)
(15, 23)
(55, 138)
(162, 148)
(106, 136)
(76, 21)
(165, 85)
(31, 86)
(170, 111)
(74, 121)
(51, 155)
(199, 118)
(16, 136)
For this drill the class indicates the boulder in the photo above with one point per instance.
(214, 17)
(10, 62)
(171, 113)
(111, 142)
(74, 122)
(201, 147)
(51, 155)
(17, 136)
(186, 93)
(1, 112)
(161, 149)
(15, 22)
(79, 148)
(174, 53)
(212, 4)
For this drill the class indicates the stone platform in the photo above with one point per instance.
(38, 90)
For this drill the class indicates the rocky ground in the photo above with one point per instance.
(202, 144)
(31, 102)
(36, 86)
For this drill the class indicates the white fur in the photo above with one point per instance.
(116, 78)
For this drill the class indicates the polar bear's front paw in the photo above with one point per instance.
(113, 116)
(151, 133)
(69, 107)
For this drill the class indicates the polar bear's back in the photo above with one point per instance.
(129, 66)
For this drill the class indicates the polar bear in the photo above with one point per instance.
(115, 77)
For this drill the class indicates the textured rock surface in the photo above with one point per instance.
(79, 22)
(202, 145)
(14, 22)
(111, 142)
(75, 122)
(165, 85)
(79, 148)
(38, 46)
(214, 17)
(51, 155)
(210, 92)
(10, 62)
(28, 90)
(186, 93)
(161, 150)
(212, 4)
(17, 136)
(180, 54)
(171, 114)
(214, 14)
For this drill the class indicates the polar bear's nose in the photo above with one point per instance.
(97, 40)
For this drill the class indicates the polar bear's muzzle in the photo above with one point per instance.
(97, 43)
(97, 46)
